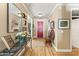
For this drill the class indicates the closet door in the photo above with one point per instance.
(75, 32)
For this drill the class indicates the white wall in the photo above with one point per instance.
(3, 24)
(62, 37)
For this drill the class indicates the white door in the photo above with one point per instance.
(75, 33)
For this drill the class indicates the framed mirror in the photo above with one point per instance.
(52, 24)
(13, 20)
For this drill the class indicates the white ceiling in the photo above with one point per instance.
(40, 9)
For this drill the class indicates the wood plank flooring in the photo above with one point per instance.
(39, 49)
(75, 52)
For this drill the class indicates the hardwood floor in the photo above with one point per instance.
(39, 49)
(75, 52)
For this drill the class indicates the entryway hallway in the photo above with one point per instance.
(27, 25)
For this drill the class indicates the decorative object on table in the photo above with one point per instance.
(23, 15)
(63, 24)
(22, 36)
(52, 24)
(24, 24)
(23, 21)
(9, 43)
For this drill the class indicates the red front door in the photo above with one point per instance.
(40, 29)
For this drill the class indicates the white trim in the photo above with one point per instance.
(54, 46)
(56, 30)
(31, 31)
(31, 27)
(63, 50)
(70, 30)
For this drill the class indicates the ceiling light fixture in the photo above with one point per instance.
(40, 14)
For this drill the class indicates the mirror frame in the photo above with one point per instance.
(8, 17)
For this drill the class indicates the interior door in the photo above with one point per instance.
(40, 29)
(75, 33)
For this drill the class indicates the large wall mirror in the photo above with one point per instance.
(13, 20)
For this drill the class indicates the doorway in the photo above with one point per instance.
(40, 29)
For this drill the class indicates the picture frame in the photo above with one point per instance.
(52, 24)
(8, 41)
(63, 24)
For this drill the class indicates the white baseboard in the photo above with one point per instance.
(61, 50)
(54, 46)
